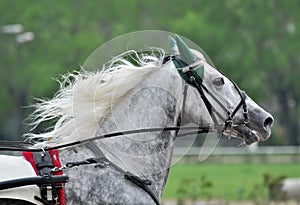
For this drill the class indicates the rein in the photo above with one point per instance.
(100, 162)
(199, 130)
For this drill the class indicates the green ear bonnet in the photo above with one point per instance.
(185, 61)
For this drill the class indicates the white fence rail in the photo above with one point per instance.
(263, 150)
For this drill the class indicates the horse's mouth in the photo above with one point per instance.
(247, 134)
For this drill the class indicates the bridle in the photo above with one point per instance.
(190, 78)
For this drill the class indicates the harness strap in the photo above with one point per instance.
(245, 108)
(185, 88)
(95, 149)
(43, 163)
(143, 184)
(212, 111)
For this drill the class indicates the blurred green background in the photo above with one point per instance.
(255, 42)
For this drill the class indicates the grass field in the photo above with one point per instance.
(228, 181)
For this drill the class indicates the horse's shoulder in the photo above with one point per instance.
(109, 186)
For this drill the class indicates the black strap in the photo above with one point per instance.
(38, 180)
(185, 89)
(212, 111)
(83, 162)
(115, 134)
(43, 163)
(143, 184)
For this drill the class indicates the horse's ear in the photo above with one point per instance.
(185, 52)
(173, 44)
(179, 47)
(175, 52)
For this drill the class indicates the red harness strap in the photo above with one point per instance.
(29, 157)
(56, 163)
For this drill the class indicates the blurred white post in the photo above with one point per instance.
(12, 29)
(21, 39)
(24, 37)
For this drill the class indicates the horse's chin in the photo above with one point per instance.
(247, 134)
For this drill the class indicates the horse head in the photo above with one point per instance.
(226, 103)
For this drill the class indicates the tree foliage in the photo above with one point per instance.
(254, 42)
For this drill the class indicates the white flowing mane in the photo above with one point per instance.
(86, 98)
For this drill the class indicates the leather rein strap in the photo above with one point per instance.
(203, 129)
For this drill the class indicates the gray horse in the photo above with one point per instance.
(146, 92)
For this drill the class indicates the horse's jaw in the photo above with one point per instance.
(247, 134)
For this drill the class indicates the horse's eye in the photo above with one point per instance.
(219, 81)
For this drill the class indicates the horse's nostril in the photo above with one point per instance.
(268, 123)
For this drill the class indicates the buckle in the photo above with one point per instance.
(246, 116)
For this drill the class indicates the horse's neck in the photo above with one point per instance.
(155, 103)
(146, 155)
